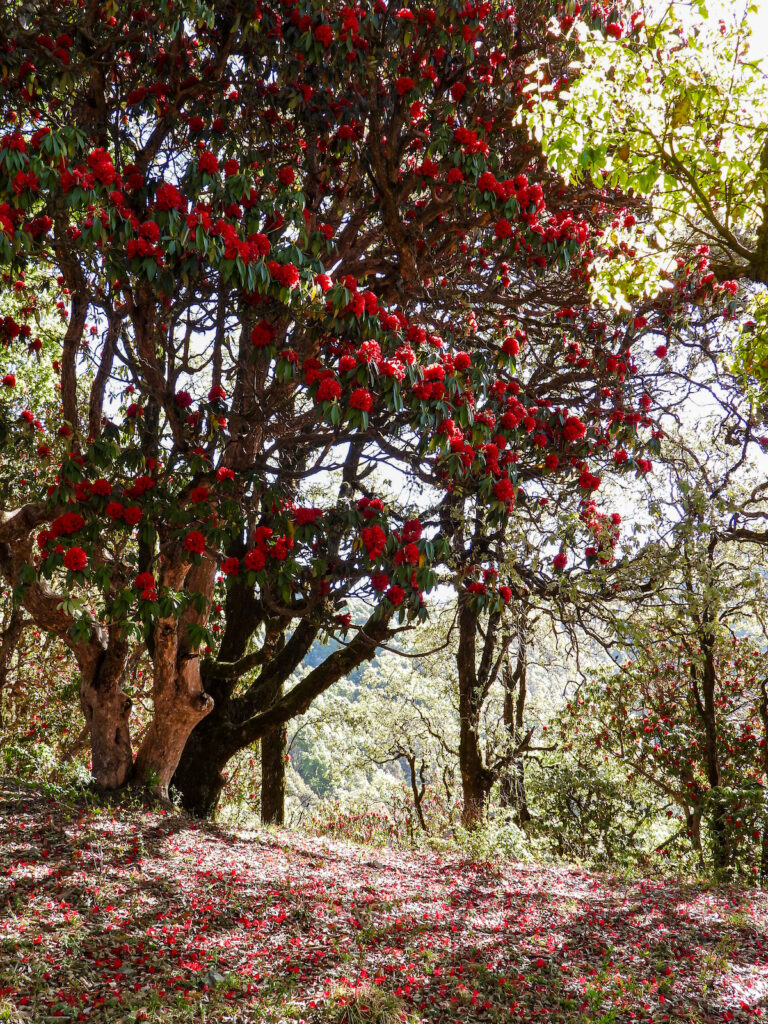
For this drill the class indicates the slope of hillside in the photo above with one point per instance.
(108, 914)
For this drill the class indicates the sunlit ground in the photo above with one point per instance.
(143, 916)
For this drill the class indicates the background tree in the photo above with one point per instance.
(683, 710)
(674, 106)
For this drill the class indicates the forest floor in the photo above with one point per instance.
(116, 915)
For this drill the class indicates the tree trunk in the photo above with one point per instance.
(693, 822)
(199, 775)
(9, 642)
(179, 704)
(721, 859)
(763, 708)
(512, 786)
(274, 745)
(476, 782)
(236, 723)
(416, 790)
(107, 712)
(512, 791)
(179, 698)
(101, 659)
(476, 779)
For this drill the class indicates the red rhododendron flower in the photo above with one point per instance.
(150, 231)
(506, 594)
(307, 516)
(329, 390)
(503, 490)
(75, 559)
(230, 566)
(207, 163)
(370, 506)
(412, 530)
(199, 493)
(224, 473)
(144, 581)
(560, 560)
(375, 540)
(68, 523)
(9, 380)
(410, 554)
(255, 560)
(396, 595)
(286, 274)
(574, 429)
(262, 334)
(194, 542)
(361, 399)
(323, 34)
(132, 515)
(168, 197)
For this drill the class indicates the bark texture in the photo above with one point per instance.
(101, 656)
(274, 745)
(476, 778)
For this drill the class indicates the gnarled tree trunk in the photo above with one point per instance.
(101, 657)
(476, 780)
(178, 695)
(107, 710)
(199, 775)
(179, 704)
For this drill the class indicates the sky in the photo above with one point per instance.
(759, 22)
(731, 9)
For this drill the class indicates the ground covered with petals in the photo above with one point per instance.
(110, 914)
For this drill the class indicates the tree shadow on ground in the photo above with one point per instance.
(107, 911)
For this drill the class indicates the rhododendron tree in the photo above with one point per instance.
(295, 245)
(685, 710)
(649, 718)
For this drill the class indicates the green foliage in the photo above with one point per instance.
(677, 112)
(586, 811)
(496, 839)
